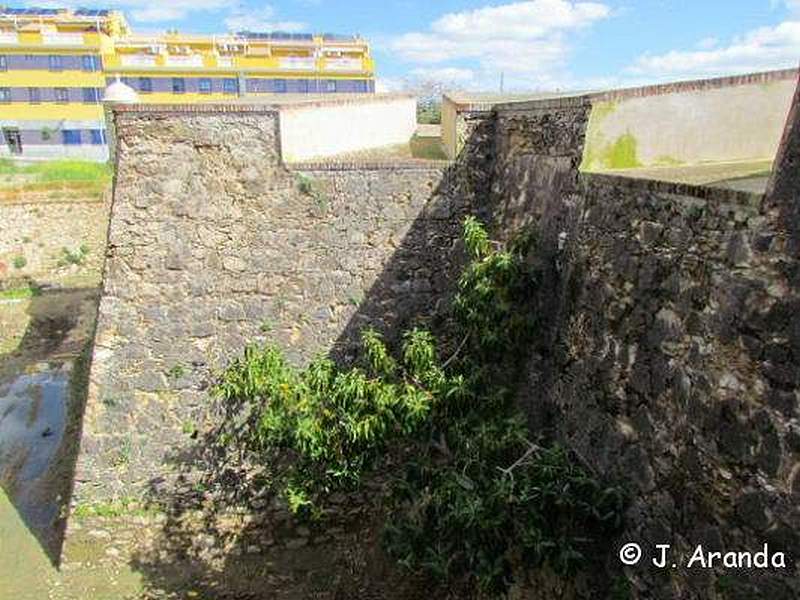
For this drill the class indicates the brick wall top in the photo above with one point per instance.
(651, 90)
(257, 105)
(195, 108)
(337, 101)
(404, 164)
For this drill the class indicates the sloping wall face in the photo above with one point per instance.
(690, 123)
(668, 355)
(214, 244)
(317, 130)
(669, 347)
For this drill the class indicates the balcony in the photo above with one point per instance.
(297, 63)
(62, 39)
(51, 39)
(344, 64)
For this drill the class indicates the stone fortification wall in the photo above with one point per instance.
(41, 239)
(214, 244)
(668, 354)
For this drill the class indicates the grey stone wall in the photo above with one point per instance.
(39, 231)
(668, 354)
(214, 244)
(670, 335)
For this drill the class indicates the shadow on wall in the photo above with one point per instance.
(224, 536)
(635, 350)
(42, 399)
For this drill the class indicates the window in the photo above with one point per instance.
(205, 85)
(55, 62)
(5, 94)
(145, 85)
(279, 85)
(72, 137)
(178, 85)
(62, 95)
(330, 86)
(3, 63)
(34, 95)
(98, 136)
(89, 63)
(230, 86)
(91, 95)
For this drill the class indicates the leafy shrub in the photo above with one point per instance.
(477, 498)
(430, 112)
(19, 262)
(69, 257)
(308, 187)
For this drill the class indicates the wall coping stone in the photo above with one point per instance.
(303, 103)
(212, 109)
(651, 90)
(404, 164)
(259, 106)
(703, 192)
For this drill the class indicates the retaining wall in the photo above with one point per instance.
(215, 244)
(313, 130)
(669, 331)
(668, 350)
(35, 234)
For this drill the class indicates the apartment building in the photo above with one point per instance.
(55, 65)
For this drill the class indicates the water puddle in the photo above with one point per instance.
(35, 451)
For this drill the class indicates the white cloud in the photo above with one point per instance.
(260, 20)
(528, 41)
(444, 74)
(761, 49)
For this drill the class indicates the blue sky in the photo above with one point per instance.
(536, 44)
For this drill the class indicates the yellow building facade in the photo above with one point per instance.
(56, 63)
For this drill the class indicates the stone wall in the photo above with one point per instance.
(668, 354)
(35, 234)
(669, 321)
(214, 244)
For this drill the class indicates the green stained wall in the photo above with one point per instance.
(720, 124)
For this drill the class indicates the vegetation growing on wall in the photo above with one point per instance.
(58, 170)
(429, 111)
(475, 497)
(601, 154)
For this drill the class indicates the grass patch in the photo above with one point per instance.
(77, 257)
(58, 170)
(429, 148)
(21, 293)
(112, 509)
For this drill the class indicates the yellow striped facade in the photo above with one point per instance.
(56, 63)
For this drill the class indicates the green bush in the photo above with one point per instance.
(19, 262)
(58, 170)
(475, 497)
(77, 257)
(429, 113)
